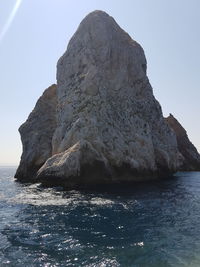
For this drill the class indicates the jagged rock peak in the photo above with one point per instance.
(109, 126)
(99, 24)
(175, 124)
(100, 42)
(191, 157)
(97, 17)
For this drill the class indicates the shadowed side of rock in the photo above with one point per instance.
(36, 135)
(81, 166)
(191, 161)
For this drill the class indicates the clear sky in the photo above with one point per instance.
(35, 33)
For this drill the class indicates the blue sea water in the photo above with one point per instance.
(148, 224)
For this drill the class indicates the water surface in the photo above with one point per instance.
(148, 224)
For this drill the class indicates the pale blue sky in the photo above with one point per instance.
(168, 30)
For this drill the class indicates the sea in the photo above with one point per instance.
(153, 224)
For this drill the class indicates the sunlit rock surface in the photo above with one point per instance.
(191, 161)
(110, 127)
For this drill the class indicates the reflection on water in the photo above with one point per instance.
(148, 224)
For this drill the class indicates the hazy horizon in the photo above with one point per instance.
(34, 34)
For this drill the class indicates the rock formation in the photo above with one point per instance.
(107, 126)
(191, 157)
(36, 135)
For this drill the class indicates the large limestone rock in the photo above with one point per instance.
(110, 128)
(36, 135)
(191, 157)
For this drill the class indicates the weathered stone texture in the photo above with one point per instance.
(109, 125)
(191, 157)
(36, 135)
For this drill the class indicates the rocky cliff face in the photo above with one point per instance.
(36, 135)
(191, 157)
(109, 126)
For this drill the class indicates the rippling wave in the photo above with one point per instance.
(148, 224)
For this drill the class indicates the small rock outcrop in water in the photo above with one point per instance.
(107, 126)
(191, 156)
